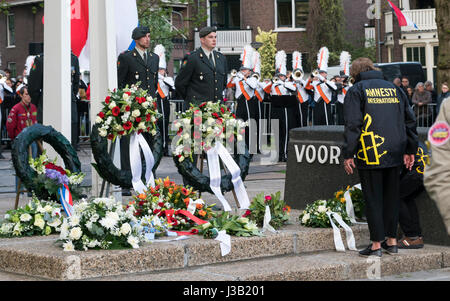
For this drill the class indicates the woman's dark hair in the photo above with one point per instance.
(360, 65)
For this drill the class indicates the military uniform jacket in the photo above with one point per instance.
(380, 126)
(131, 69)
(199, 81)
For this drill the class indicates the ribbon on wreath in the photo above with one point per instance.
(138, 142)
(65, 197)
(349, 208)
(215, 176)
(338, 243)
(266, 222)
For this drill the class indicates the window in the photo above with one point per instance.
(11, 30)
(291, 14)
(417, 54)
(225, 14)
(12, 67)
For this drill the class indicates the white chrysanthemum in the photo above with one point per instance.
(125, 96)
(133, 241)
(75, 233)
(98, 119)
(74, 220)
(108, 223)
(112, 215)
(145, 104)
(25, 217)
(64, 230)
(40, 209)
(94, 218)
(48, 208)
(6, 228)
(306, 218)
(68, 246)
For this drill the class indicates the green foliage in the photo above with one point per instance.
(267, 51)
(315, 214)
(232, 224)
(156, 14)
(278, 209)
(4, 7)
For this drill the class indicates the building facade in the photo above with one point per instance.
(237, 22)
(407, 44)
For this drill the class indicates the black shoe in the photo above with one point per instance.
(126, 192)
(369, 252)
(389, 249)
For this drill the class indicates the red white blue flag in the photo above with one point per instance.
(126, 19)
(402, 19)
(65, 197)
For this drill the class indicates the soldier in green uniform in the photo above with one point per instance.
(138, 65)
(203, 74)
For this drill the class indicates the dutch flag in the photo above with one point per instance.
(402, 19)
(126, 19)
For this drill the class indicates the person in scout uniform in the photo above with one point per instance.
(164, 86)
(203, 74)
(137, 66)
(323, 90)
(437, 174)
(380, 130)
(245, 86)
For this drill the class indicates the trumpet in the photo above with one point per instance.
(297, 74)
(256, 75)
(275, 78)
(233, 72)
(315, 73)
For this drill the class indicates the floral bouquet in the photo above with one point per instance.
(170, 202)
(199, 127)
(102, 223)
(278, 209)
(357, 200)
(36, 218)
(234, 225)
(50, 177)
(126, 111)
(315, 214)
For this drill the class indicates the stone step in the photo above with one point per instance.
(317, 266)
(41, 257)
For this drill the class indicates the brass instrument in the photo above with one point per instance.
(275, 78)
(315, 73)
(351, 80)
(297, 74)
(256, 75)
(233, 72)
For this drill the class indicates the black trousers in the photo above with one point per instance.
(302, 118)
(381, 192)
(248, 110)
(411, 185)
(322, 113)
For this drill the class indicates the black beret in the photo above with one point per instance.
(140, 32)
(206, 31)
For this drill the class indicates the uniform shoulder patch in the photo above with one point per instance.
(439, 133)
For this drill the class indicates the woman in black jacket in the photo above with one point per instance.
(380, 130)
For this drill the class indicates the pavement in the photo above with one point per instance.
(261, 178)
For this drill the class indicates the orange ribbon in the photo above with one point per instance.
(160, 92)
(258, 96)
(300, 98)
(241, 84)
(322, 94)
(278, 91)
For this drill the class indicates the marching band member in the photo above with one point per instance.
(164, 86)
(281, 88)
(342, 85)
(300, 84)
(322, 90)
(245, 86)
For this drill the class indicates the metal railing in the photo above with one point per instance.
(425, 19)
(230, 41)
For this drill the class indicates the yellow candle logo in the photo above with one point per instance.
(369, 152)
